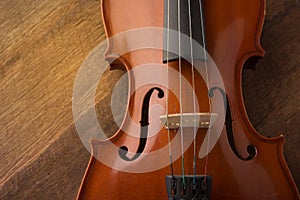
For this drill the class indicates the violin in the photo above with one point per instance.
(185, 134)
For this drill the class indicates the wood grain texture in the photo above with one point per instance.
(42, 45)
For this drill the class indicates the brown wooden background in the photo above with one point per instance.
(42, 45)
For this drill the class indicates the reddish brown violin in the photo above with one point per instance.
(186, 134)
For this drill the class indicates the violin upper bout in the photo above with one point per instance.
(252, 57)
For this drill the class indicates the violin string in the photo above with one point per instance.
(167, 91)
(193, 87)
(208, 86)
(180, 92)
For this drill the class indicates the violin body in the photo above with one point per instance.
(233, 30)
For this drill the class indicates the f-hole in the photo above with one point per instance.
(123, 150)
(251, 149)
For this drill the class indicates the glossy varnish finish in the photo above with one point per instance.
(233, 31)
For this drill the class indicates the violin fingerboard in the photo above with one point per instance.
(186, 19)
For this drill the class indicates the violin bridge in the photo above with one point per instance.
(199, 120)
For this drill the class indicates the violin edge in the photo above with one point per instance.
(280, 139)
